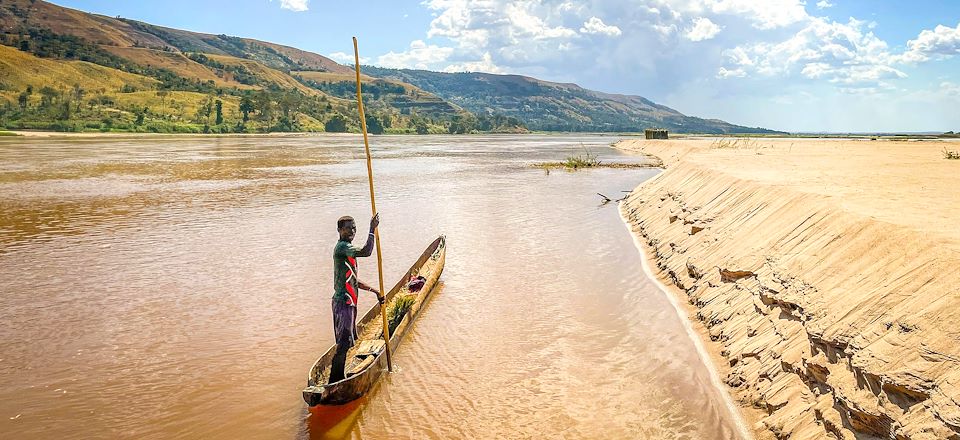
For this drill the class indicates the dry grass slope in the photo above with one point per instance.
(173, 61)
(20, 69)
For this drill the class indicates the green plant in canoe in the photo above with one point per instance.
(398, 309)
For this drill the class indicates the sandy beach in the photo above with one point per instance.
(824, 272)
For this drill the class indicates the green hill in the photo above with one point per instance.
(152, 78)
(549, 106)
(64, 69)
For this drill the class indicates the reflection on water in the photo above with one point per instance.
(178, 287)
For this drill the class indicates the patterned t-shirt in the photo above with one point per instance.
(345, 272)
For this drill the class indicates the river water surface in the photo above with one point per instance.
(170, 287)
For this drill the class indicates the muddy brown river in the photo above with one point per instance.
(178, 287)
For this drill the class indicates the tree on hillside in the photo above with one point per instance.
(64, 111)
(203, 111)
(162, 94)
(264, 106)
(22, 100)
(47, 94)
(246, 106)
(141, 113)
(422, 128)
(77, 95)
(462, 124)
(288, 103)
(219, 110)
(336, 124)
(374, 126)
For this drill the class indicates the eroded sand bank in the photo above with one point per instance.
(827, 272)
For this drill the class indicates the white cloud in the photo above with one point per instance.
(347, 58)
(703, 29)
(514, 33)
(596, 26)
(761, 39)
(295, 5)
(941, 42)
(842, 53)
(731, 73)
(664, 31)
(420, 55)
(949, 88)
(767, 14)
(485, 64)
(867, 76)
(816, 70)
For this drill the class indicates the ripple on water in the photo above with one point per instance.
(179, 288)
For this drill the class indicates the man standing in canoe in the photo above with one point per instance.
(346, 286)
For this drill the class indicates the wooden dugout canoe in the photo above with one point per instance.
(366, 360)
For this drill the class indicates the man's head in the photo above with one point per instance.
(347, 228)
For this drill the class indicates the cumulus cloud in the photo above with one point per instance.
(346, 58)
(295, 5)
(731, 73)
(941, 42)
(596, 26)
(748, 49)
(845, 54)
(703, 29)
(484, 64)
(842, 53)
(420, 55)
(768, 14)
(761, 39)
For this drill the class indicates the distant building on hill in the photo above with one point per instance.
(656, 133)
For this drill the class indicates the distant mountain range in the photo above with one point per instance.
(64, 69)
(550, 106)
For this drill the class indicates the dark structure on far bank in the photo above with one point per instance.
(656, 133)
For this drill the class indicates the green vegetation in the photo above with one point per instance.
(348, 89)
(951, 154)
(7, 133)
(590, 160)
(398, 309)
(114, 74)
(546, 106)
(238, 72)
(208, 108)
(586, 160)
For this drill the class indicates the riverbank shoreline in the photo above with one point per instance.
(824, 272)
(710, 354)
(122, 134)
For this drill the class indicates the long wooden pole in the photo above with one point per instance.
(373, 207)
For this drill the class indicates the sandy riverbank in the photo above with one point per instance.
(826, 271)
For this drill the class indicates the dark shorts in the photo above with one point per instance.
(344, 323)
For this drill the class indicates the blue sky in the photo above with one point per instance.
(814, 65)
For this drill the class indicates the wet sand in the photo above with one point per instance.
(825, 272)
